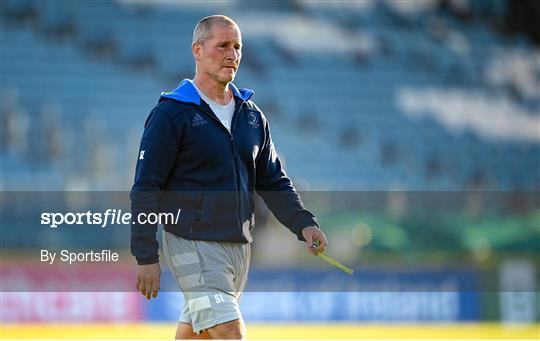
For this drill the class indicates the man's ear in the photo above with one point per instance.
(196, 50)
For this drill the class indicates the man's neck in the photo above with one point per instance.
(217, 92)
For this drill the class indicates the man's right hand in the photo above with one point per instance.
(148, 277)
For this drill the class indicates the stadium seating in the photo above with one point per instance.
(111, 71)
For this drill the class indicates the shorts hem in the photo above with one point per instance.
(184, 321)
(197, 329)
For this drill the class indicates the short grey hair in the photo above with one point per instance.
(203, 30)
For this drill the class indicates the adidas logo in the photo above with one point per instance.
(198, 120)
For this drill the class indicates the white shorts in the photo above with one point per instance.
(211, 275)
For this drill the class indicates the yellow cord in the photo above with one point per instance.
(335, 263)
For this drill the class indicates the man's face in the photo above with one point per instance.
(219, 57)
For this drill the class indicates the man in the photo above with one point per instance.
(206, 148)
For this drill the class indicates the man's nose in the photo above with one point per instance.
(234, 55)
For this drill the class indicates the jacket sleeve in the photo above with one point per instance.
(278, 192)
(157, 154)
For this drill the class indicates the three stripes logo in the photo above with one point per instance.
(198, 120)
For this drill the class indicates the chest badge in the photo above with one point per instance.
(253, 120)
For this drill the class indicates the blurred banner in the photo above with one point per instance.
(415, 296)
(411, 297)
(75, 307)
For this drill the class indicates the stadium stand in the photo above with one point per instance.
(401, 100)
(384, 98)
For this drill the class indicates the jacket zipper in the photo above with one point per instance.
(198, 213)
(231, 139)
(234, 119)
(200, 207)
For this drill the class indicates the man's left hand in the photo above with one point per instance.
(315, 239)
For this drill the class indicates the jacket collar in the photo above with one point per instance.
(186, 92)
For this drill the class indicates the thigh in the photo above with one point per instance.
(184, 331)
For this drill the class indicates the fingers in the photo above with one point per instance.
(316, 241)
(309, 242)
(313, 248)
(322, 243)
(155, 288)
(142, 286)
(148, 291)
(149, 288)
(148, 280)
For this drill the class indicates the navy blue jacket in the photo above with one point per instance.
(189, 161)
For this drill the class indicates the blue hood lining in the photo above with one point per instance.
(186, 92)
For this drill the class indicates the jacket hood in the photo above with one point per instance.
(186, 92)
